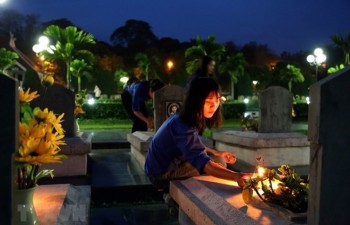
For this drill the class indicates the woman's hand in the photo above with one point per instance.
(230, 158)
(241, 178)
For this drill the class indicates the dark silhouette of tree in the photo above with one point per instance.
(344, 44)
(135, 35)
(62, 23)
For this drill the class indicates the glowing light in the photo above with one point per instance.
(170, 65)
(261, 171)
(43, 40)
(307, 100)
(246, 100)
(124, 80)
(91, 101)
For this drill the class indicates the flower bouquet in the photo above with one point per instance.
(40, 137)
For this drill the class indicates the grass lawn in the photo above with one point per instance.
(105, 124)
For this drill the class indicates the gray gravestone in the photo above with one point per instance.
(329, 124)
(275, 110)
(8, 142)
(60, 100)
(167, 101)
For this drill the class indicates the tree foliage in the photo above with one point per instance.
(7, 59)
(69, 45)
(135, 34)
(203, 47)
(344, 44)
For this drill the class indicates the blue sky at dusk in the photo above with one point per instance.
(290, 25)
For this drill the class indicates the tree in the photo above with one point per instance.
(202, 48)
(134, 35)
(234, 66)
(80, 68)
(69, 45)
(145, 62)
(344, 44)
(7, 59)
(291, 74)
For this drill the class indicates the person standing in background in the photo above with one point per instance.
(134, 100)
(206, 68)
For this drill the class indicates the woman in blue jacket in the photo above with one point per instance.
(176, 150)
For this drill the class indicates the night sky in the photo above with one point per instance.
(289, 25)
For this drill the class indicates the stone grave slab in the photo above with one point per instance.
(77, 150)
(167, 101)
(275, 148)
(8, 143)
(329, 124)
(275, 110)
(209, 200)
(62, 204)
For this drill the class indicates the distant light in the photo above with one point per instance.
(170, 64)
(124, 80)
(318, 51)
(43, 40)
(91, 101)
(255, 82)
(310, 58)
(2, 1)
(307, 100)
(321, 58)
(246, 100)
(36, 48)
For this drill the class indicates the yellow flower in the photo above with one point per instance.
(26, 96)
(78, 110)
(40, 134)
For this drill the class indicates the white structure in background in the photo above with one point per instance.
(97, 91)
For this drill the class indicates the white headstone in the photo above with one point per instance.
(275, 114)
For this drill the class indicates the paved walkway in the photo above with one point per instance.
(121, 192)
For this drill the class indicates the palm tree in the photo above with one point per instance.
(7, 59)
(145, 62)
(291, 74)
(234, 66)
(80, 68)
(202, 48)
(69, 45)
(344, 44)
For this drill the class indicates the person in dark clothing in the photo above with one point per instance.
(206, 69)
(134, 99)
(176, 150)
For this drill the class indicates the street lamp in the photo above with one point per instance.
(316, 59)
(170, 66)
(43, 45)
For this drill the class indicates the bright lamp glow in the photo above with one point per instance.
(246, 100)
(321, 58)
(124, 80)
(43, 40)
(91, 101)
(318, 51)
(37, 48)
(310, 58)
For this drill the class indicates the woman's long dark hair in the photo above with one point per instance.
(192, 110)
